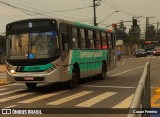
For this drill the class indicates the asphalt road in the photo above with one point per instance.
(116, 91)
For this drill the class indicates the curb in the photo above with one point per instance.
(157, 91)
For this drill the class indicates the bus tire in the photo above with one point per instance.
(75, 78)
(103, 74)
(31, 85)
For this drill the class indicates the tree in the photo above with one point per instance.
(120, 32)
(151, 33)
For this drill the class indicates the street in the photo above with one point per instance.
(116, 91)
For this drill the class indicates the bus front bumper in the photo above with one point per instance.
(38, 77)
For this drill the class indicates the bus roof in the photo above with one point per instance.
(89, 26)
(62, 20)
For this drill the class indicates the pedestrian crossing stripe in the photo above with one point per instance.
(9, 92)
(88, 103)
(14, 97)
(37, 98)
(96, 99)
(125, 103)
(3, 89)
(69, 98)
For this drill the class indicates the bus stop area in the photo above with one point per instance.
(3, 79)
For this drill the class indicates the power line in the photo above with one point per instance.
(30, 12)
(113, 7)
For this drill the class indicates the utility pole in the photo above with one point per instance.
(94, 10)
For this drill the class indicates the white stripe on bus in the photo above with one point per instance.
(37, 98)
(96, 99)
(69, 98)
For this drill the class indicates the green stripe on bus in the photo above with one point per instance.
(88, 59)
(38, 67)
(89, 26)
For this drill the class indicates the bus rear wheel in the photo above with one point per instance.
(31, 85)
(103, 74)
(75, 78)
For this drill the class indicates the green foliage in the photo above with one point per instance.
(120, 32)
(151, 33)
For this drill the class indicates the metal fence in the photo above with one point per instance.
(141, 99)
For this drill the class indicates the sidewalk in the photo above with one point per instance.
(2, 68)
(3, 81)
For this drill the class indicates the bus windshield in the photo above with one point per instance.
(34, 45)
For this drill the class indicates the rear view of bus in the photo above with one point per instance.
(32, 54)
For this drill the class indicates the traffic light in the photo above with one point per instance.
(135, 22)
(114, 26)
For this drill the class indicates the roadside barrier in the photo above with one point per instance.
(141, 100)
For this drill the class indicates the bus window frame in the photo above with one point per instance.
(61, 32)
(83, 38)
(113, 41)
(98, 40)
(104, 40)
(76, 37)
(89, 39)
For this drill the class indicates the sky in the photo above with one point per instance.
(81, 11)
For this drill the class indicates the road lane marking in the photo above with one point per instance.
(127, 71)
(96, 99)
(5, 93)
(123, 87)
(37, 98)
(14, 97)
(69, 98)
(3, 89)
(125, 103)
(10, 106)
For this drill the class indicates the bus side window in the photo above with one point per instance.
(98, 40)
(83, 39)
(75, 40)
(109, 41)
(104, 40)
(90, 39)
(64, 32)
(65, 41)
(112, 41)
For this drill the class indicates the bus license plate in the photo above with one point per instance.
(28, 78)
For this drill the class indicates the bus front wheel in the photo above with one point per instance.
(75, 78)
(31, 85)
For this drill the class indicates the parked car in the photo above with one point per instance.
(140, 53)
(156, 51)
(150, 51)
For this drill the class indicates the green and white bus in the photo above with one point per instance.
(56, 50)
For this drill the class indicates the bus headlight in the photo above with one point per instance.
(11, 69)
